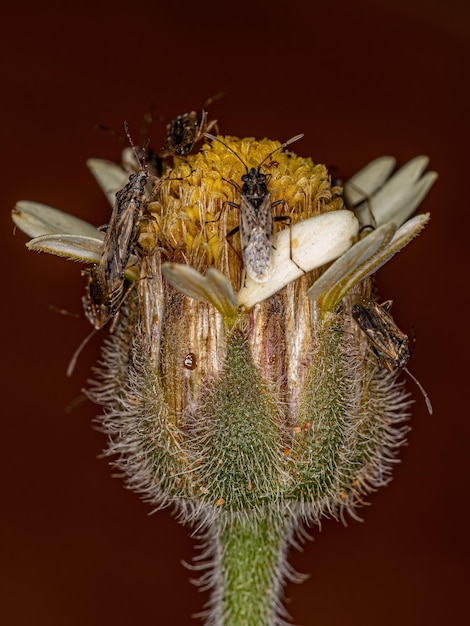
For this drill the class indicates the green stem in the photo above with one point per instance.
(250, 566)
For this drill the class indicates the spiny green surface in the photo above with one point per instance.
(251, 555)
(237, 437)
(320, 448)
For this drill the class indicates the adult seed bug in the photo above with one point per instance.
(389, 343)
(187, 129)
(105, 289)
(256, 218)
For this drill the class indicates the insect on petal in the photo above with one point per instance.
(213, 288)
(37, 219)
(315, 241)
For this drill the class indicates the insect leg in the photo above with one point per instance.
(357, 205)
(287, 220)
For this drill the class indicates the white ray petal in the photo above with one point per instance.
(400, 239)
(213, 288)
(368, 180)
(73, 247)
(362, 260)
(400, 196)
(128, 160)
(351, 260)
(109, 176)
(315, 241)
(37, 219)
(80, 249)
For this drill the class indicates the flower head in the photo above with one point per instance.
(236, 382)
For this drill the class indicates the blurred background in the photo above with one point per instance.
(360, 79)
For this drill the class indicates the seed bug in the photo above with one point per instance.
(187, 129)
(389, 343)
(105, 289)
(256, 218)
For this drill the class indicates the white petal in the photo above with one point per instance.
(362, 260)
(128, 160)
(213, 288)
(73, 247)
(79, 248)
(36, 219)
(110, 177)
(368, 180)
(315, 241)
(400, 196)
(400, 239)
(354, 258)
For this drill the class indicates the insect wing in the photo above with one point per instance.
(123, 225)
(97, 310)
(389, 342)
(256, 232)
(105, 290)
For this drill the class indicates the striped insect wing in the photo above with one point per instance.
(105, 289)
(256, 217)
(256, 232)
(388, 341)
(95, 305)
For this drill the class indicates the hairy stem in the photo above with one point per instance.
(248, 570)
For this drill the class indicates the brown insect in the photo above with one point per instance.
(187, 129)
(105, 291)
(389, 343)
(256, 218)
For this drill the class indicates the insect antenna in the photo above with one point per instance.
(421, 388)
(366, 200)
(214, 138)
(214, 98)
(284, 145)
(76, 354)
(139, 158)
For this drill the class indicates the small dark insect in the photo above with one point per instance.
(105, 289)
(256, 218)
(190, 361)
(187, 129)
(389, 343)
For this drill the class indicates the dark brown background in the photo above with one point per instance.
(360, 79)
